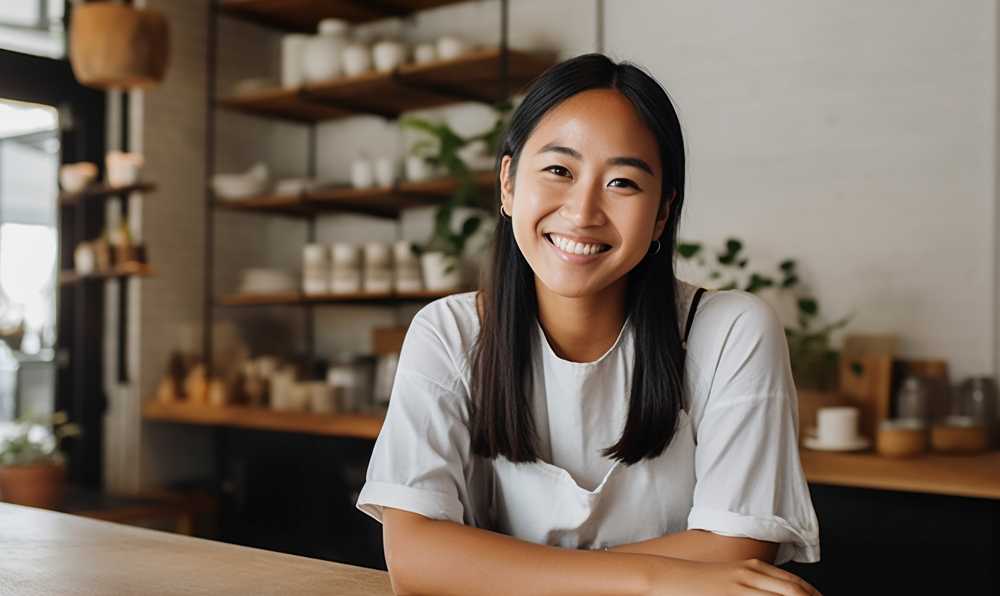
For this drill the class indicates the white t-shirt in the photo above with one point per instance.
(732, 467)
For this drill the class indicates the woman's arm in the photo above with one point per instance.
(700, 545)
(428, 556)
(436, 557)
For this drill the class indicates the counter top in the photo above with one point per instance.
(55, 553)
(956, 475)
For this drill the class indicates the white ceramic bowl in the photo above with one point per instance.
(74, 177)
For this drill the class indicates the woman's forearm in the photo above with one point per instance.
(699, 545)
(442, 558)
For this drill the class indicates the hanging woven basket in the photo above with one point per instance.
(116, 46)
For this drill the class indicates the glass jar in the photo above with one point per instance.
(350, 377)
(913, 400)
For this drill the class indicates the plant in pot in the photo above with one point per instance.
(814, 362)
(32, 466)
(443, 148)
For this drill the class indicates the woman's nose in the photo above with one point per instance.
(582, 206)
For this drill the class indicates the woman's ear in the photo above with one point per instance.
(666, 207)
(506, 184)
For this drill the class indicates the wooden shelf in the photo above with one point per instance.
(360, 426)
(304, 15)
(472, 77)
(966, 476)
(103, 191)
(298, 299)
(127, 270)
(379, 202)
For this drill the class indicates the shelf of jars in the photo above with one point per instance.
(380, 201)
(473, 76)
(341, 425)
(103, 191)
(303, 15)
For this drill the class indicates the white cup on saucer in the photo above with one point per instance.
(837, 430)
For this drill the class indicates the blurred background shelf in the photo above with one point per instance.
(347, 425)
(296, 298)
(70, 277)
(966, 475)
(304, 15)
(103, 191)
(380, 202)
(475, 76)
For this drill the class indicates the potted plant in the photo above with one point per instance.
(445, 149)
(814, 362)
(32, 468)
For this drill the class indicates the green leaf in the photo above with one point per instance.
(470, 226)
(688, 249)
(788, 265)
(808, 306)
(790, 281)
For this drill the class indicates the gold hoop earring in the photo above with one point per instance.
(658, 245)
(503, 213)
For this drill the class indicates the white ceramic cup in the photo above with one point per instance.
(837, 426)
(418, 169)
(386, 171)
(424, 53)
(293, 47)
(450, 47)
(388, 55)
(362, 174)
(356, 59)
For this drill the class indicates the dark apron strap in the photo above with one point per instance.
(693, 308)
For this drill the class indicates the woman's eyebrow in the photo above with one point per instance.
(634, 162)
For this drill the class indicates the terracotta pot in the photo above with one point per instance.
(40, 485)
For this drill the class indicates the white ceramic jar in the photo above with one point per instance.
(424, 53)
(406, 268)
(387, 55)
(345, 274)
(323, 53)
(356, 59)
(293, 48)
(378, 268)
(362, 173)
(315, 269)
(386, 171)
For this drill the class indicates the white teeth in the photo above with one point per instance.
(575, 247)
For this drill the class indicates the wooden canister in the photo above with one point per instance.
(902, 438)
(959, 434)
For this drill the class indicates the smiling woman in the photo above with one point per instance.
(587, 424)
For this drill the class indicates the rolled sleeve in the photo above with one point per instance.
(419, 460)
(749, 479)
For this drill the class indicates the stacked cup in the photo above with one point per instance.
(345, 274)
(315, 269)
(407, 275)
(378, 268)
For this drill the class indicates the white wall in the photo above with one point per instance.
(857, 137)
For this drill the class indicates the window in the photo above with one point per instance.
(33, 27)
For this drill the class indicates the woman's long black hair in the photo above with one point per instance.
(501, 421)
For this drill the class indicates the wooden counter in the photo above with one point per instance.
(47, 553)
(957, 475)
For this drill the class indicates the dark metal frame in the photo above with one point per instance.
(80, 307)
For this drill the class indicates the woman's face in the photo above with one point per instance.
(585, 197)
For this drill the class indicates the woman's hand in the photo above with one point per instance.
(751, 577)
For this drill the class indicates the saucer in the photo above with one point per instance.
(857, 444)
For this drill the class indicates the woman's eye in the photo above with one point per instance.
(557, 170)
(623, 183)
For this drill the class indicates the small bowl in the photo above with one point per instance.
(75, 177)
(902, 438)
(959, 434)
